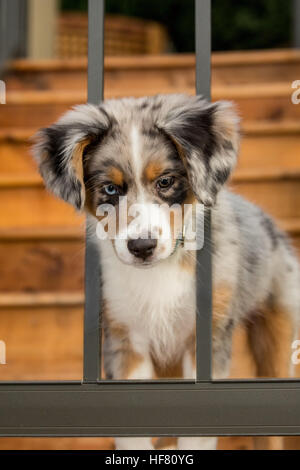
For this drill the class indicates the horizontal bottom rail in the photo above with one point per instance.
(150, 409)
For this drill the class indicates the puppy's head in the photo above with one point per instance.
(146, 156)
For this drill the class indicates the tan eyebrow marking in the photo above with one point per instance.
(153, 170)
(116, 176)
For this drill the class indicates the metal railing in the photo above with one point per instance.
(97, 407)
(12, 30)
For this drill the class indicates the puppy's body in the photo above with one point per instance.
(174, 150)
(254, 271)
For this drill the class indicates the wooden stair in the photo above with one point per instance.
(44, 335)
(264, 144)
(41, 259)
(228, 68)
(24, 200)
(254, 102)
(42, 238)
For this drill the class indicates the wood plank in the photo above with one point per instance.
(30, 267)
(65, 443)
(50, 234)
(83, 443)
(35, 207)
(42, 343)
(264, 144)
(227, 68)
(281, 198)
(24, 202)
(257, 90)
(41, 299)
(219, 59)
(269, 151)
(41, 265)
(257, 102)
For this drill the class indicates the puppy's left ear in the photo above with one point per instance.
(207, 138)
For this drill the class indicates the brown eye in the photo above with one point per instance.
(165, 182)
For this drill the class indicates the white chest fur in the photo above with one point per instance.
(156, 304)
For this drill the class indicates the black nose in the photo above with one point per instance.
(142, 247)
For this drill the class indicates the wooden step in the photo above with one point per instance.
(276, 191)
(38, 261)
(41, 299)
(292, 228)
(33, 206)
(60, 443)
(228, 68)
(264, 144)
(264, 66)
(53, 260)
(25, 203)
(44, 339)
(269, 144)
(254, 102)
(106, 443)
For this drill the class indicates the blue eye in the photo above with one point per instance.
(111, 190)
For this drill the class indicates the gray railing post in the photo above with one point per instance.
(12, 30)
(92, 331)
(296, 23)
(204, 268)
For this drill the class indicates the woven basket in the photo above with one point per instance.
(123, 36)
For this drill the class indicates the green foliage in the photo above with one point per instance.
(251, 24)
(242, 24)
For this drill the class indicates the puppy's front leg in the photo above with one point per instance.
(194, 443)
(137, 368)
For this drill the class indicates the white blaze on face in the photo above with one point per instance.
(135, 138)
(147, 219)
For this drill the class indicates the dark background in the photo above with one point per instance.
(242, 24)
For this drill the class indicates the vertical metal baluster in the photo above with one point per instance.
(92, 331)
(204, 265)
(296, 23)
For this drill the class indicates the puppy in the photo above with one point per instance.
(161, 152)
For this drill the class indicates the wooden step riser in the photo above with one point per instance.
(33, 207)
(280, 198)
(46, 343)
(41, 265)
(156, 76)
(42, 343)
(92, 443)
(49, 266)
(250, 74)
(295, 239)
(267, 108)
(271, 108)
(270, 151)
(16, 158)
(257, 151)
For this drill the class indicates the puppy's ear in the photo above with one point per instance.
(59, 150)
(207, 138)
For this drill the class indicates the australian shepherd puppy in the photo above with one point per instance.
(173, 151)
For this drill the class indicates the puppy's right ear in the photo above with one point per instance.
(59, 150)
